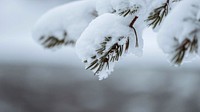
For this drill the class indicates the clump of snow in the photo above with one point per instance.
(118, 6)
(111, 6)
(104, 6)
(65, 22)
(107, 25)
(182, 23)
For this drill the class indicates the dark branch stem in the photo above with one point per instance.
(166, 4)
(136, 38)
(133, 21)
(131, 26)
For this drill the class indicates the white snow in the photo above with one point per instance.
(178, 26)
(104, 6)
(107, 25)
(118, 6)
(93, 20)
(71, 18)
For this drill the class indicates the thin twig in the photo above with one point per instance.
(131, 26)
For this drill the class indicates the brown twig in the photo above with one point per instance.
(131, 26)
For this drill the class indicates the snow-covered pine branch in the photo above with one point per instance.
(63, 25)
(108, 30)
(180, 33)
(102, 45)
(158, 11)
(111, 36)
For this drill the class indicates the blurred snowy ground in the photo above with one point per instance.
(33, 79)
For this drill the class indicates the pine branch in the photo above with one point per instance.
(52, 41)
(187, 45)
(106, 56)
(176, 0)
(129, 11)
(156, 17)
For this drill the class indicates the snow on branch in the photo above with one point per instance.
(104, 31)
(129, 11)
(179, 36)
(52, 41)
(158, 14)
(187, 45)
(120, 7)
(105, 41)
(63, 25)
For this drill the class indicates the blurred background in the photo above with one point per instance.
(34, 79)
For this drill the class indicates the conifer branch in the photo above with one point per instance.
(129, 11)
(106, 56)
(176, 0)
(156, 17)
(186, 45)
(52, 41)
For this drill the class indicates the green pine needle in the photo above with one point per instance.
(156, 17)
(112, 54)
(52, 41)
(129, 11)
(187, 45)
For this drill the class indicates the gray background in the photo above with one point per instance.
(33, 79)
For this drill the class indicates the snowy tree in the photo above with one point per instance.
(104, 31)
